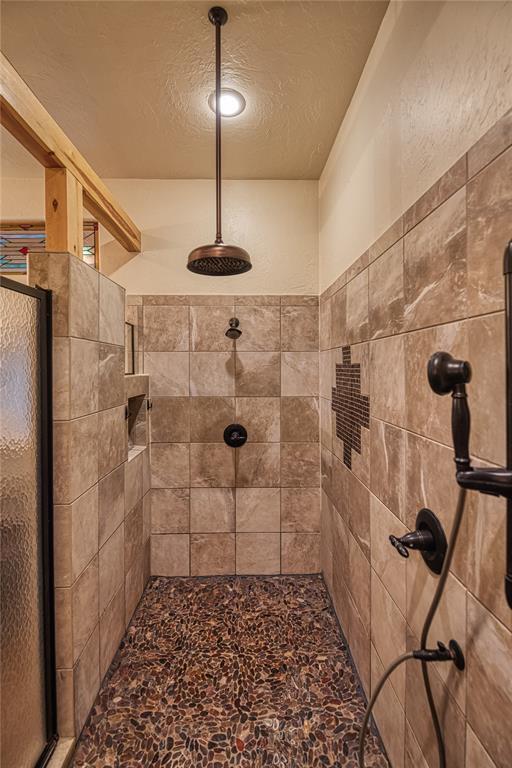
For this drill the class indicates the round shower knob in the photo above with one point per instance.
(235, 435)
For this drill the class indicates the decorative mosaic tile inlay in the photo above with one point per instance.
(235, 671)
(352, 409)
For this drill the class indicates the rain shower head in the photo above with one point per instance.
(234, 332)
(218, 259)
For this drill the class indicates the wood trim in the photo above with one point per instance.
(64, 220)
(22, 114)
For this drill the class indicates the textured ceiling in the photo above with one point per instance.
(129, 82)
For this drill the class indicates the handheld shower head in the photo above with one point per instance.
(445, 375)
(234, 332)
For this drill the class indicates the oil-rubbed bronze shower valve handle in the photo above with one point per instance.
(399, 546)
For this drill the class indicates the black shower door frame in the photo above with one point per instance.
(45, 476)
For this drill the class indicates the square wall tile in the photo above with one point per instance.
(489, 651)
(257, 465)
(257, 553)
(339, 330)
(170, 465)
(257, 510)
(389, 714)
(327, 373)
(486, 351)
(112, 311)
(61, 378)
(208, 326)
(212, 373)
(299, 328)
(258, 374)
(111, 506)
(386, 292)
(112, 439)
(476, 756)
(85, 607)
(111, 376)
(51, 270)
(133, 482)
(300, 373)
(300, 465)
(83, 377)
(435, 268)
(387, 382)
(133, 586)
(168, 373)
(209, 417)
(212, 510)
(170, 510)
(133, 531)
(111, 630)
(359, 643)
(260, 416)
(325, 324)
(166, 329)
(300, 510)
(212, 554)
(75, 455)
(300, 553)
(261, 329)
(391, 570)
(299, 419)
(388, 632)
(83, 307)
(212, 465)
(359, 573)
(489, 213)
(75, 537)
(357, 308)
(170, 554)
(111, 567)
(484, 551)
(388, 465)
(170, 420)
(87, 679)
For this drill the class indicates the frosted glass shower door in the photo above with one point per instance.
(27, 677)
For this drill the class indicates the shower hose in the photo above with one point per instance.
(423, 646)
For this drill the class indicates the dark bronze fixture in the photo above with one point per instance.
(234, 332)
(447, 375)
(218, 258)
(235, 435)
(428, 538)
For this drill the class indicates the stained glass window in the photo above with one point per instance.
(19, 238)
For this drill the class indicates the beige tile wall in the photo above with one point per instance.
(101, 513)
(217, 510)
(432, 282)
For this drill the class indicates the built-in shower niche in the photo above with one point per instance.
(136, 388)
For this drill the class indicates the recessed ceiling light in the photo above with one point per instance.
(232, 103)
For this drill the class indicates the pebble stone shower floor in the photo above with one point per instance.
(234, 671)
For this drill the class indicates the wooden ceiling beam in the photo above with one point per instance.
(23, 115)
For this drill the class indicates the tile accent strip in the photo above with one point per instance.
(352, 409)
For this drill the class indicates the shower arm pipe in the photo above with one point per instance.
(218, 129)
